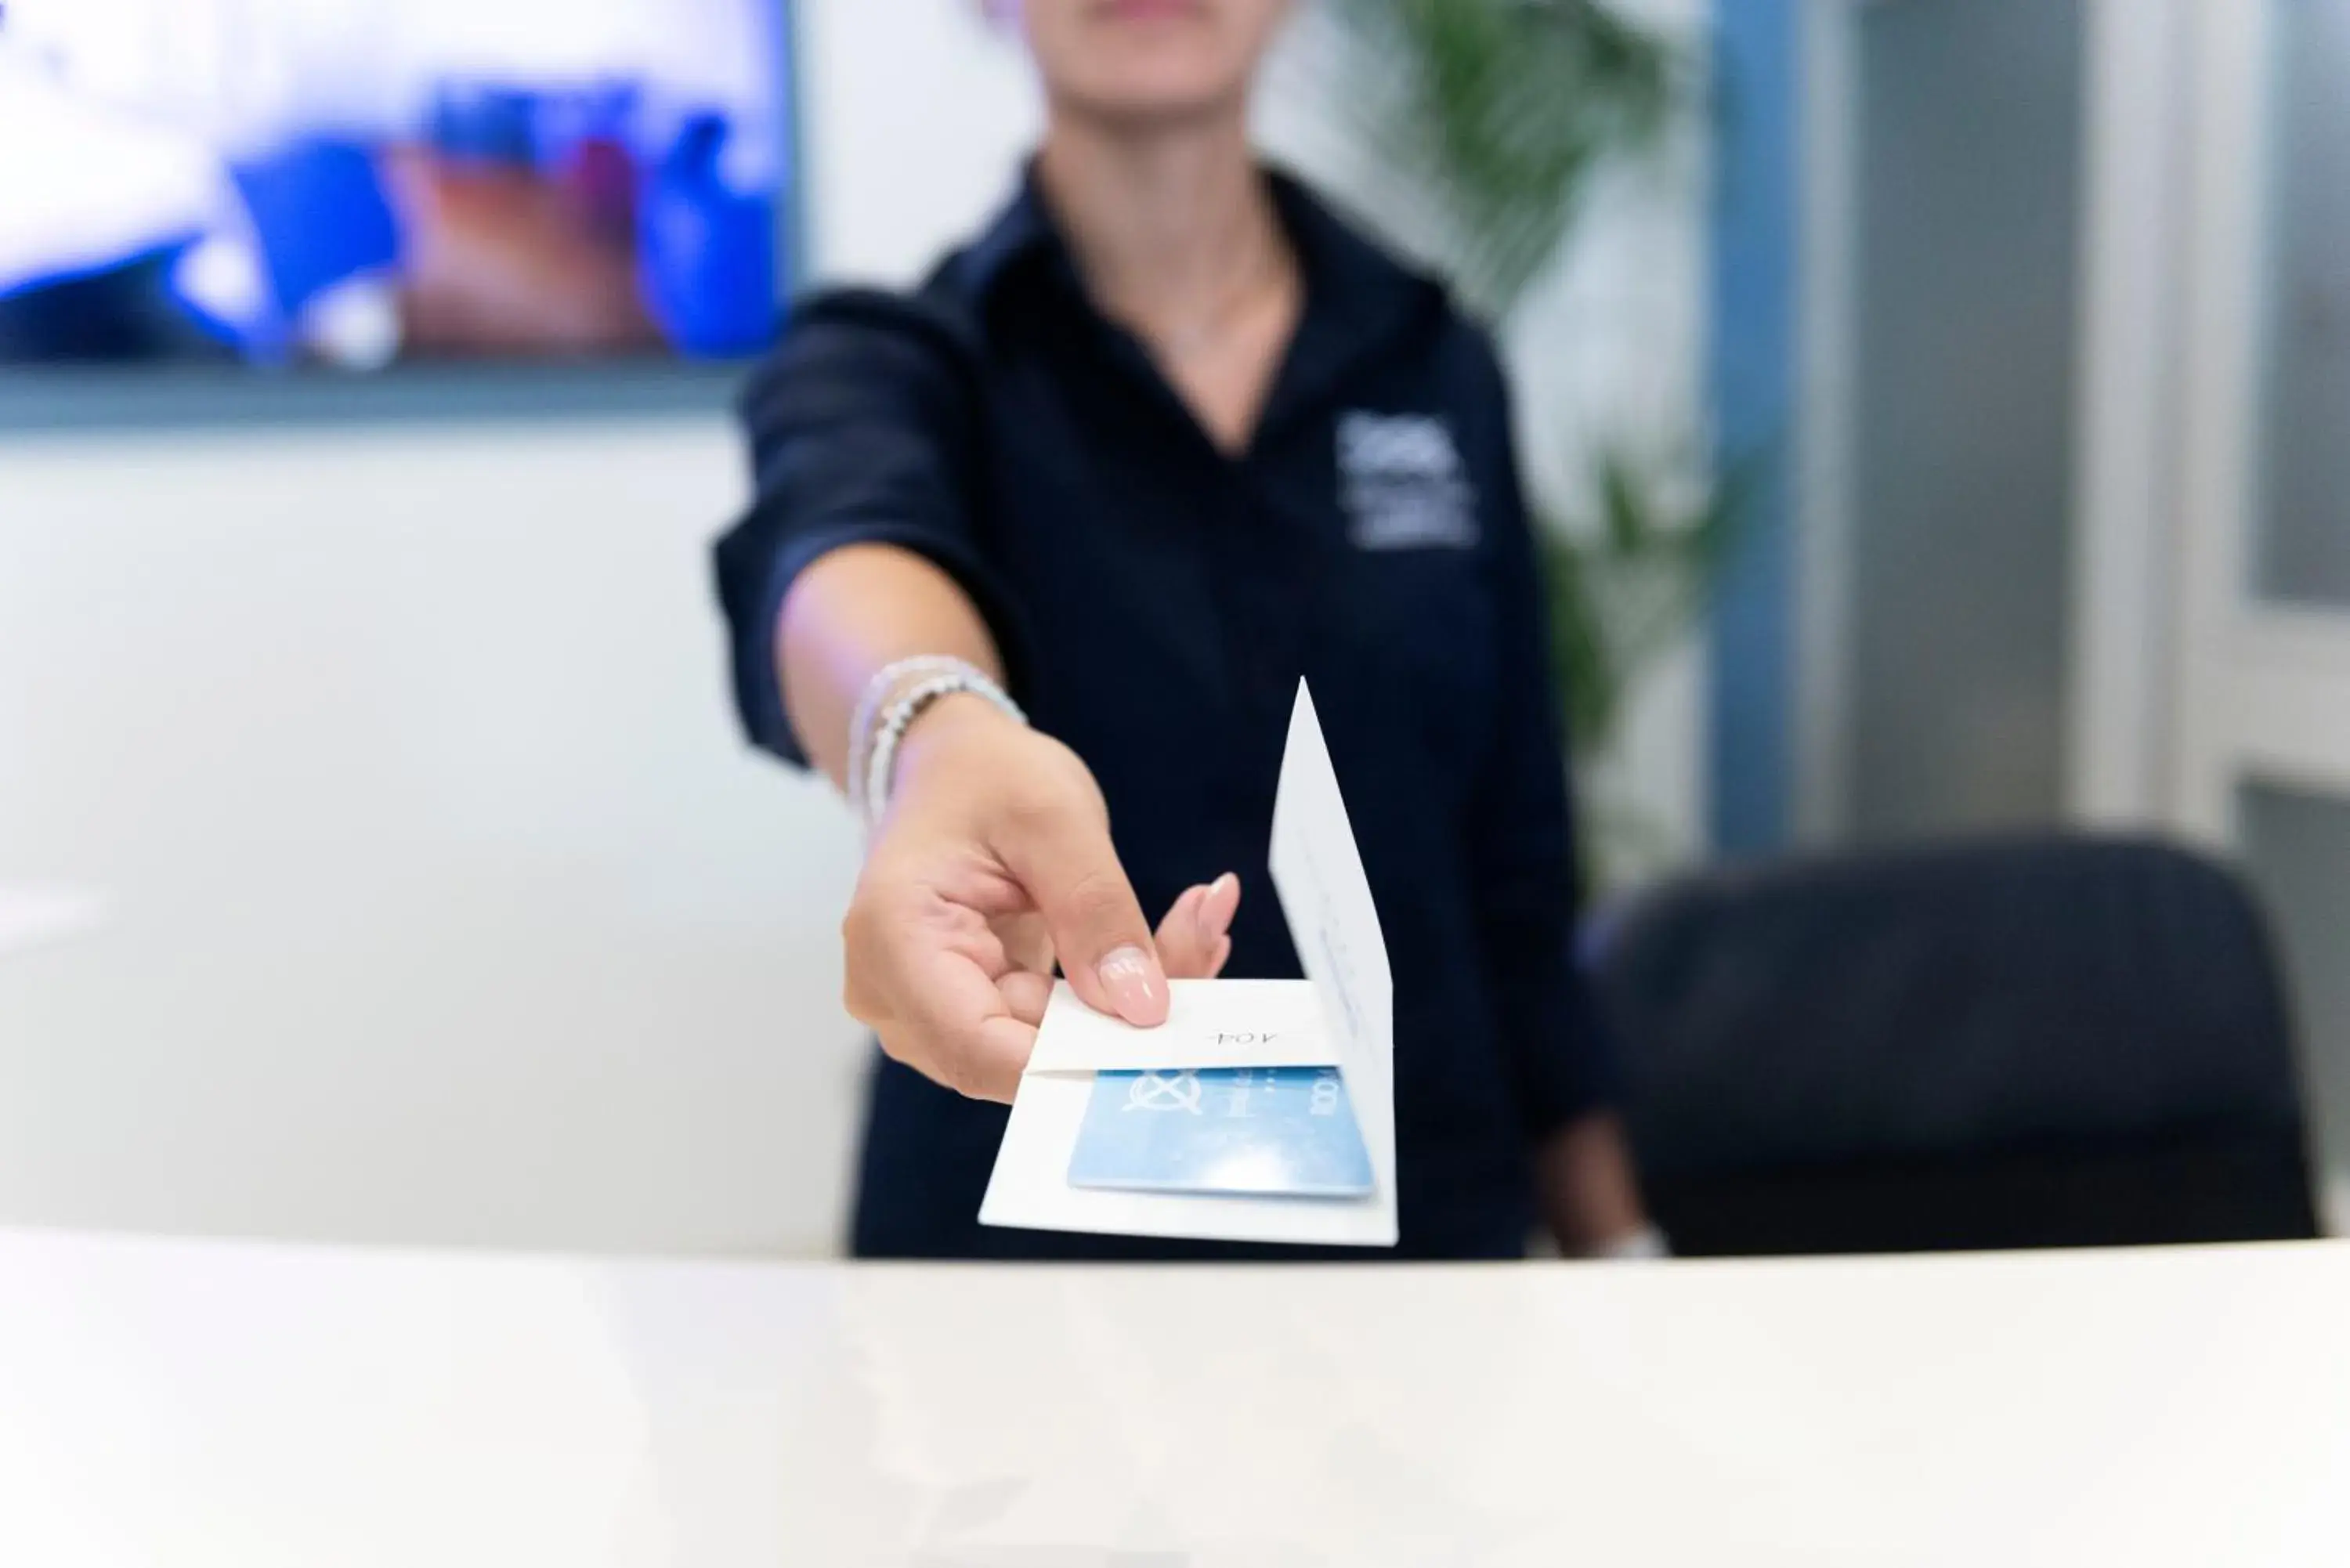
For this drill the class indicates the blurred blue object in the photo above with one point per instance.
(483, 124)
(321, 217)
(276, 226)
(707, 264)
(562, 121)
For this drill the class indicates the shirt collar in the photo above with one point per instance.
(1359, 300)
(1354, 286)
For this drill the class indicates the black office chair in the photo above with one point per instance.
(2056, 1041)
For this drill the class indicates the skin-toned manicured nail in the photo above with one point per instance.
(1137, 991)
(1216, 909)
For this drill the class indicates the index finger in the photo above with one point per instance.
(1065, 862)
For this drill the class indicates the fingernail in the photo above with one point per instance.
(1216, 911)
(1210, 919)
(1136, 989)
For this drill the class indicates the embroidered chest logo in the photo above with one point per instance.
(1401, 483)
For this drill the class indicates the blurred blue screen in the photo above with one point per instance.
(360, 182)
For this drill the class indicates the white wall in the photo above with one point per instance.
(444, 904)
(916, 116)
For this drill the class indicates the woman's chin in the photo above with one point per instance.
(1155, 95)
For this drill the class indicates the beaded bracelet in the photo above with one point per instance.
(900, 716)
(869, 703)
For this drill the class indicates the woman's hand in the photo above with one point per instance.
(994, 860)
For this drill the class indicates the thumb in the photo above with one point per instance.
(1069, 867)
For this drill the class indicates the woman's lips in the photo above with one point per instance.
(1151, 10)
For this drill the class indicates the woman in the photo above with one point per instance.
(1165, 437)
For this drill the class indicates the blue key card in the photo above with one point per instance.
(1284, 1132)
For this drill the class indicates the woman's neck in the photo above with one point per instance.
(1171, 227)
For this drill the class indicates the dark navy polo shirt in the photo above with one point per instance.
(1156, 601)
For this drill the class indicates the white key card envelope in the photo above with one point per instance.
(1140, 1157)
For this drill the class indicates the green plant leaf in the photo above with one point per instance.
(1624, 592)
(1501, 110)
